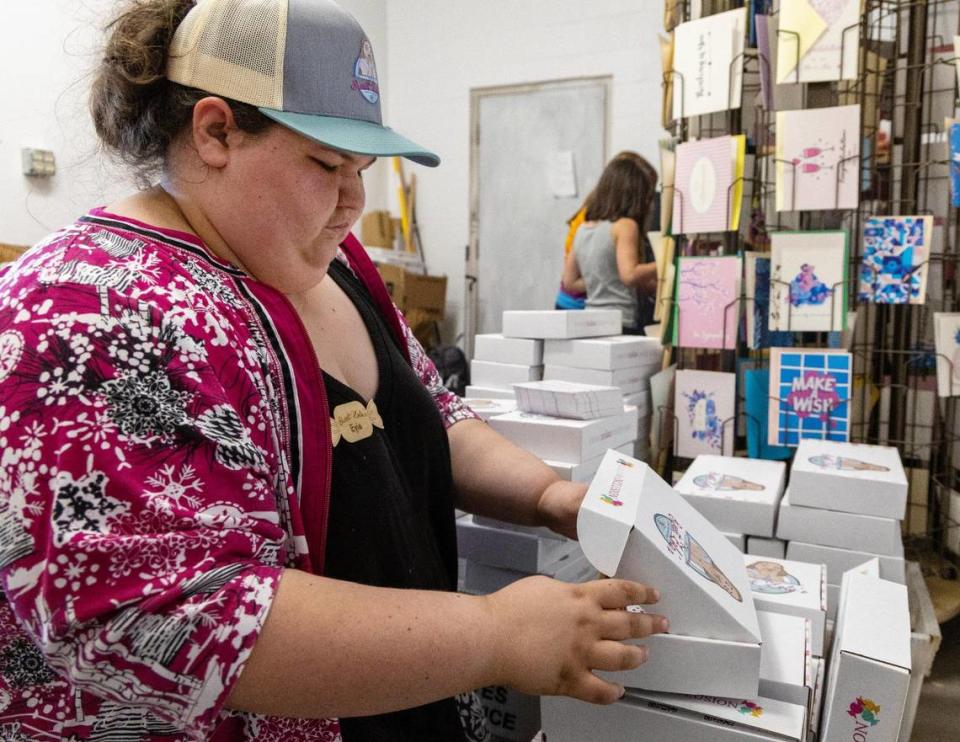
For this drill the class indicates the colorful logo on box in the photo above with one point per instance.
(749, 707)
(611, 501)
(864, 710)
(612, 497)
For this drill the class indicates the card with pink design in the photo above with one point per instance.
(707, 309)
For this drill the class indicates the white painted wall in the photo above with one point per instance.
(440, 49)
(47, 49)
(430, 53)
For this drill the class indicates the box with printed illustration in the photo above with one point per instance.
(735, 494)
(633, 525)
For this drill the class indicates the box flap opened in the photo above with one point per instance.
(633, 525)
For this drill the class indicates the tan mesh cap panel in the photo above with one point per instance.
(232, 48)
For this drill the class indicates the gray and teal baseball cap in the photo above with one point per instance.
(306, 64)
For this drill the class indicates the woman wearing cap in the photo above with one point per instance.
(611, 260)
(229, 472)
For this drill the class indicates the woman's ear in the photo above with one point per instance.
(213, 130)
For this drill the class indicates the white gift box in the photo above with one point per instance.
(642, 401)
(819, 667)
(786, 673)
(735, 494)
(633, 525)
(833, 601)
(568, 399)
(584, 472)
(839, 560)
(849, 477)
(792, 588)
(738, 540)
(489, 392)
(661, 717)
(505, 375)
(629, 380)
(560, 439)
(766, 547)
(604, 353)
(523, 552)
(491, 407)
(869, 672)
(834, 528)
(496, 347)
(562, 323)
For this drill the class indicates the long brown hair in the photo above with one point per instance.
(136, 111)
(625, 189)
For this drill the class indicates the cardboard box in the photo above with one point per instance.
(766, 547)
(607, 353)
(510, 715)
(568, 399)
(584, 472)
(495, 347)
(562, 323)
(487, 408)
(792, 588)
(869, 672)
(925, 638)
(488, 392)
(834, 528)
(559, 439)
(376, 229)
(661, 717)
(849, 477)
(522, 552)
(504, 375)
(629, 380)
(839, 560)
(786, 673)
(738, 540)
(735, 494)
(819, 667)
(414, 291)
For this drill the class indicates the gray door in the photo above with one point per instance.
(526, 142)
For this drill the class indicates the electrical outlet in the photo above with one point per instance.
(38, 162)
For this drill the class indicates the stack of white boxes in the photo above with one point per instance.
(726, 671)
(844, 507)
(623, 361)
(499, 362)
(740, 497)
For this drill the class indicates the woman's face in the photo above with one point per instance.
(284, 203)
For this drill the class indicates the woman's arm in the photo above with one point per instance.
(331, 648)
(572, 279)
(627, 242)
(496, 478)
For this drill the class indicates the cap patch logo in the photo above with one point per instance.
(365, 74)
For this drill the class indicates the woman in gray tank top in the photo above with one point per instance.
(609, 259)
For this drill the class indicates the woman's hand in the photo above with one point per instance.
(554, 635)
(558, 506)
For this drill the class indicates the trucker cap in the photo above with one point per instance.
(306, 64)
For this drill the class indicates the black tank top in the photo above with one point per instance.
(391, 521)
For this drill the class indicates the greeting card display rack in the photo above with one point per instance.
(906, 86)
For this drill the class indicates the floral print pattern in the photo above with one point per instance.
(150, 485)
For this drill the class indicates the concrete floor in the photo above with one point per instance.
(939, 709)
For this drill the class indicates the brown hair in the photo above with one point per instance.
(137, 112)
(625, 189)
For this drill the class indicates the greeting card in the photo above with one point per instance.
(708, 63)
(808, 281)
(757, 403)
(946, 333)
(955, 164)
(704, 405)
(810, 396)
(818, 153)
(708, 186)
(707, 307)
(820, 40)
(757, 294)
(895, 253)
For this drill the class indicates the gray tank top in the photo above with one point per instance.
(596, 255)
